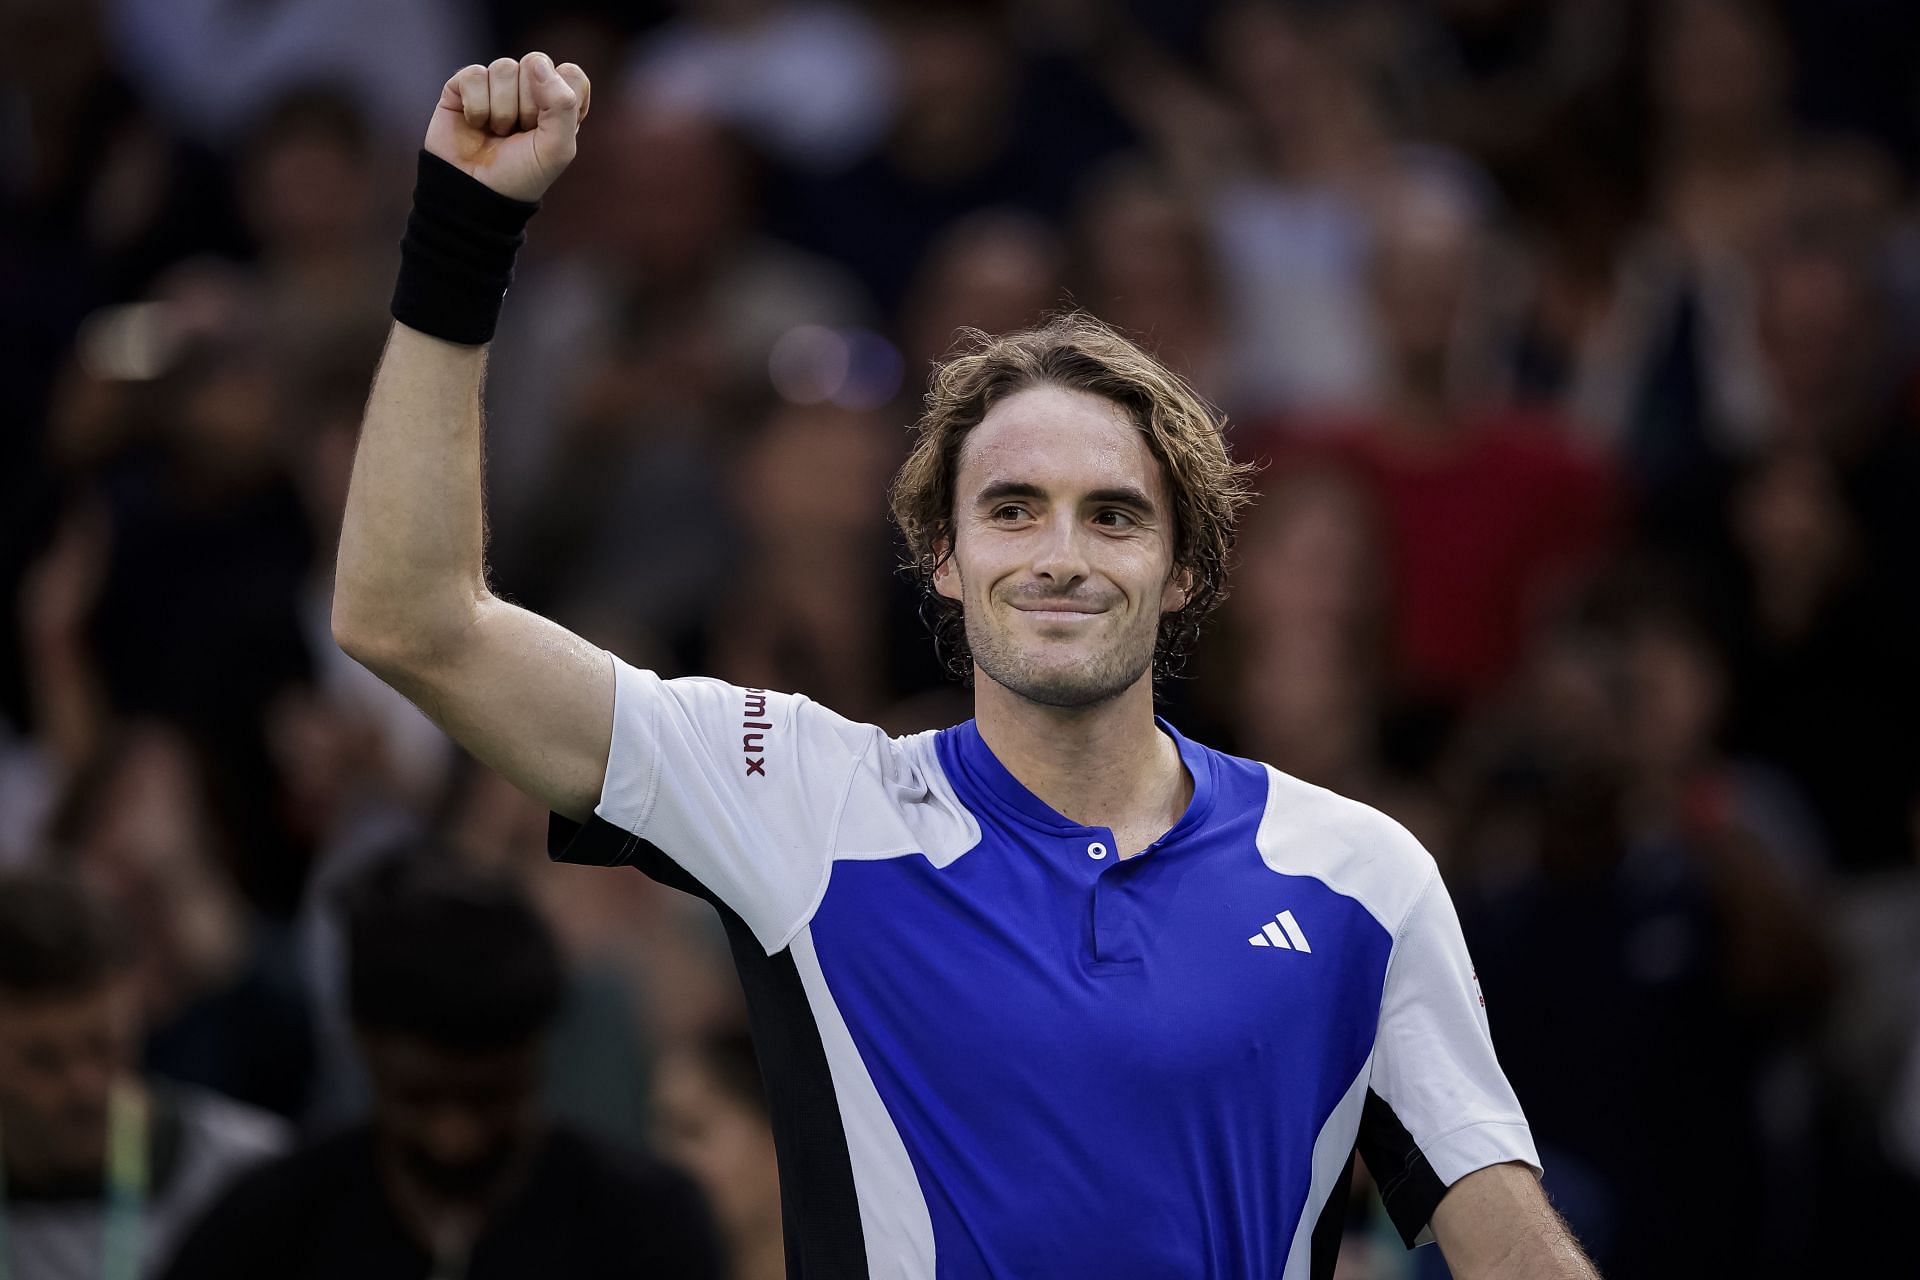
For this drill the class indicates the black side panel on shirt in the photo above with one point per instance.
(1331, 1225)
(1408, 1185)
(820, 1209)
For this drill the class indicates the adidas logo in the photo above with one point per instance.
(1282, 931)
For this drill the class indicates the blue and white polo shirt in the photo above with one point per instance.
(992, 1047)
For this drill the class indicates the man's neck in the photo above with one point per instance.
(1101, 766)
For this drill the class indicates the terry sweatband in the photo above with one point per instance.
(456, 259)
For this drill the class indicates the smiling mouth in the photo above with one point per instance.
(1058, 615)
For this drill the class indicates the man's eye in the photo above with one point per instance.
(1012, 511)
(1114, 519)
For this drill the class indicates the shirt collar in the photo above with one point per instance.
(981, 779)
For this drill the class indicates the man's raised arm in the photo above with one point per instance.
(411, 602)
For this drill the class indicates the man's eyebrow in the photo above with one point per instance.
(1123, 496)
(1000, 490)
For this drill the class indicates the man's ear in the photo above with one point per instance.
(1178, 591)
(946, 575)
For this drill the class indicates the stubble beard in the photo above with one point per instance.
(1073, 684)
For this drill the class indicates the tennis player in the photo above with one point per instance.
(1056, 992)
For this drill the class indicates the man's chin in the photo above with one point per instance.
(1067, 681)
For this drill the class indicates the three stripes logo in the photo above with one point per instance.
(1283, 931)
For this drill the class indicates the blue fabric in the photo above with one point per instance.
(1093, 1071)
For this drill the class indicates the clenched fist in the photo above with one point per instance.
(511, 124)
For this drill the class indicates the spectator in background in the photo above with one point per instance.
(1490, 510)
(100, 1168)
(1301, 677)
(311, 181)
(1826, 545)
(815, 605)
(1720, 160)
(996, 269)
(1146, 263)
(668, 952)
(453, 986)
(809, 83)
(211, 68)
(1492, 77)
(630, 359)
(218, 987)
(974, 127)
(1835, 373)
(711, 1110)
(1290, 189)
(201, 521)
(1650, 956)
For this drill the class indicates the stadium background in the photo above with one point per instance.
(1579, 336)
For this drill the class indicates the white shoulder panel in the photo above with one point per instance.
(756, 793)
(902, 802)
(1352, 848)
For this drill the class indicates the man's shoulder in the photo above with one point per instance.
(1349, 845)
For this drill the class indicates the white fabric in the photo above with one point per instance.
(1351, 848)
(1433, 1059)
(1330, 1151)
(894, 1221)
(755, 793)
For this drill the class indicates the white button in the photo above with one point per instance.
(1096, 851)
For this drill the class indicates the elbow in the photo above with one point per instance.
(374, 648)
(391, 646)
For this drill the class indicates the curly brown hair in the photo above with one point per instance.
(1079, 352)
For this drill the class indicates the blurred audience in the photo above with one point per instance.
(711, 1112)
(389, 55)
(218, 983)
(454, 984)
(811, 83)
(1490, 509)
(101, 1167)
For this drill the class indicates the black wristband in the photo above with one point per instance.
(457, 257)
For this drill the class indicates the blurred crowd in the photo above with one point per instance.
(1580, 341)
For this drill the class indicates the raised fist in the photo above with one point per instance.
(511, 124)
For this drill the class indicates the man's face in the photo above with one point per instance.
(60, 1058)
(457, 1121)
(1063, 547)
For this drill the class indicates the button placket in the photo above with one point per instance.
(1110, 931)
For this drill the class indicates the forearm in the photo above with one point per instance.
(1549, 1254)
(1496, 1224)
(411, 569)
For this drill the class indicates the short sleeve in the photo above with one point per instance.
(741, 789)
(1438, 1105)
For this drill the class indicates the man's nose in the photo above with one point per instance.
(1062, 556)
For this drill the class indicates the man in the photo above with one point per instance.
(453, 982)
(99, 1169)
(1055, 992)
